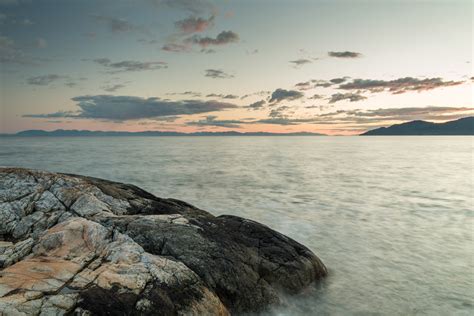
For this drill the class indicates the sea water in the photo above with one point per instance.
(391, 217)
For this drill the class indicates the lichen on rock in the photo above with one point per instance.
(71, 244)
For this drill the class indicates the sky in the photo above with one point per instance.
(333, 67)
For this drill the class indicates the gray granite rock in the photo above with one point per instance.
(71, 244)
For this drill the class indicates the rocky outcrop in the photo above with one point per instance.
(77, 245)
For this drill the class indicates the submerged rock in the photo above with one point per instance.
(77, 245)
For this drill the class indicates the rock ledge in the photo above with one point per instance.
(76, 245)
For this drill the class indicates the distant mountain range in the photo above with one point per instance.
(82, 133)
(463, 126)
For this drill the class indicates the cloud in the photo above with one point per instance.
(208, 51)
(304, 85)
(130, 65)
(339, 80)
(191, 93)
(223, 96)
(71, 84)
(345, 54)
(43, 80)
(344, 119)
(176, 47)
(278, 112)
(281, 94)
(123, 108)
(398, 86)
(116, 25)
(114, 87)
(314, 83)
(413, 113)
(59, 114)
(258, 93)
(212, 121)
(352, 97)
(278, 121)
(363, 119)
(257, 105)
(316, 97)
(162, 119)
(223, 38)
(147, 41)
(321, 83)
(46, 80)
(194, 25)
(382, 117)
(319, 107)
(217, 74)
(300, 62)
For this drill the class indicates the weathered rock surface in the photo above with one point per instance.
(77, 245)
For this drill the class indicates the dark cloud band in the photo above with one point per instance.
(345, 54)
(398, 86)
(352, 97)
(225, 37)
(130, 65)
(282, 94)
(217, 74)
(123, 108)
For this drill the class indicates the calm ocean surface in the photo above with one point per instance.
(391, 217)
